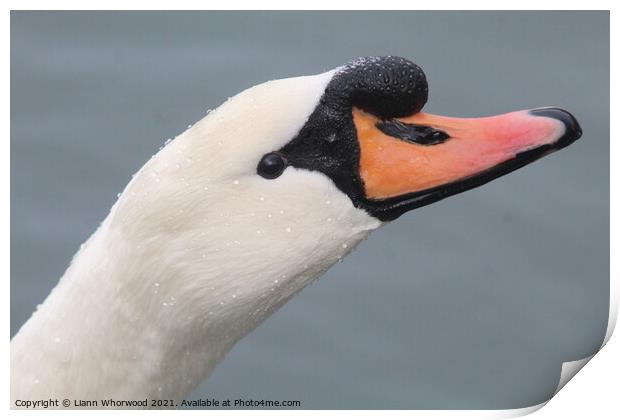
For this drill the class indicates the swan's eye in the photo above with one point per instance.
(271, 165)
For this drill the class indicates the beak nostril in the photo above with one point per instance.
(412, 133)
(573, 130)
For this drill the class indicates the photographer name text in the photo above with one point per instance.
(154, 403)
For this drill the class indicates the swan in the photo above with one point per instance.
(244, 209)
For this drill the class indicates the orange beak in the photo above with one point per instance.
(428, 157)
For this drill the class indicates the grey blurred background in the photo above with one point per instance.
(470, 303)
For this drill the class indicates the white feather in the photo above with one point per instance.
(197, 252)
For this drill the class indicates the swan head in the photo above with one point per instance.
(241, 211)
(266, 192)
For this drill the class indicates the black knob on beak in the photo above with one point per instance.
(388, 87)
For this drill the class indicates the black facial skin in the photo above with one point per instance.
(389, 88)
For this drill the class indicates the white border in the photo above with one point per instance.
(593, 395)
